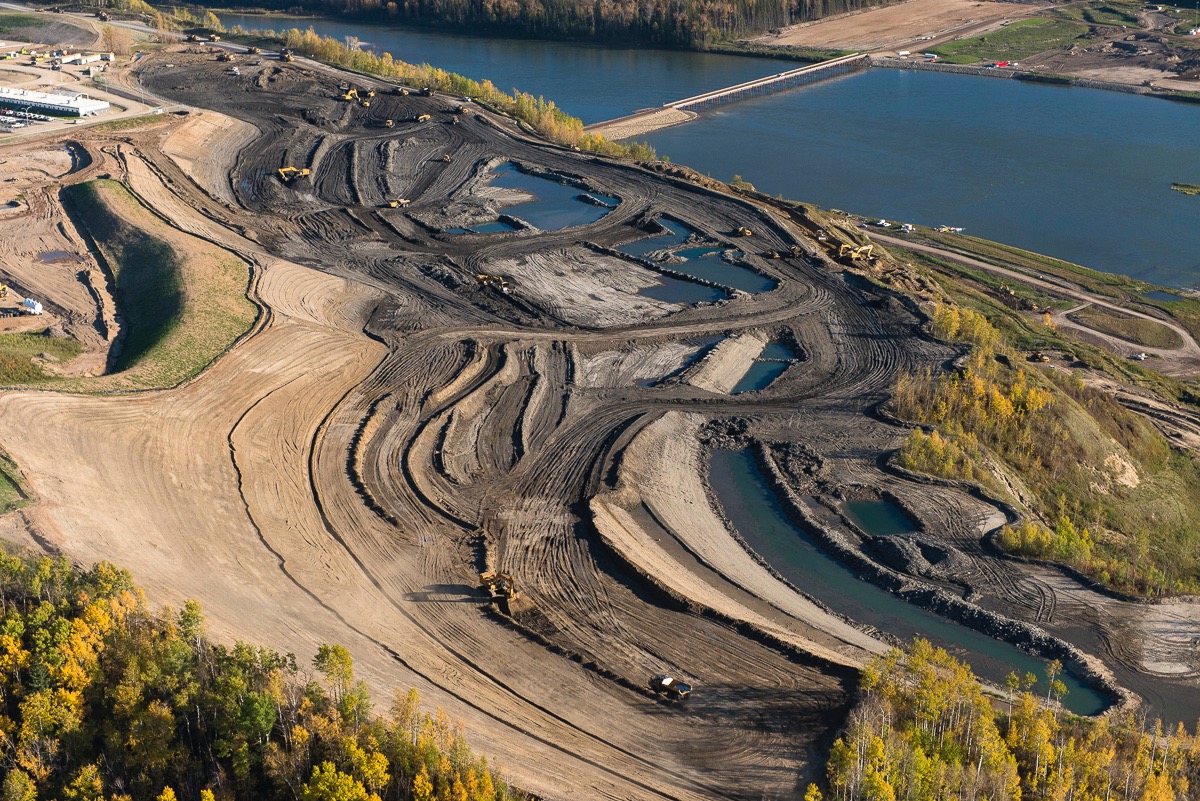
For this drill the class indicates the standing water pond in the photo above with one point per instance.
(752, 506)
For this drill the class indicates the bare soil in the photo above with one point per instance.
(393, 426)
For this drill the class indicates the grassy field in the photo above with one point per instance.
(11, 495)
(1133, 329)
(1022, 39)
(1101, 13)
(182, 300)
(10, 21)
(23, 354)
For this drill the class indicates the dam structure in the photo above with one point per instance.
(642, 122)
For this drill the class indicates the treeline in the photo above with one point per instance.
(103, 700)
(667, 23)
(925, 731)
(541, 115)
(1110, 496)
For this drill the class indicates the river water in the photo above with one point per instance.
(1082, 175)
(1079, 174)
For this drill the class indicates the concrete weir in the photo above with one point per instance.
(643, 122)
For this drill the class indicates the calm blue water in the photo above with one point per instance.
(759, 376)
(556, 206)
(1161, 296)
(592, 82)
(1079, 174)
(878, 518)
(676, 234)
(750, 503)
(675, 290)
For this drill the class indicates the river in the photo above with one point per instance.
(1080, 174)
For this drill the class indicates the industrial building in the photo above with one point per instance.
(74, 104)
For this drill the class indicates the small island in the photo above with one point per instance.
(1187, 189)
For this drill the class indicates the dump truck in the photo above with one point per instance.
(286, 55)
(389, 123)
(426, 91)
(400, 90)
(447, 158)
(423, 118)
(668, 685)
(214, 38)
(224, 55)
(398, 203)
(289, 174)
(254, 51)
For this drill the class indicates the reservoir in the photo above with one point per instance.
(1080, 174)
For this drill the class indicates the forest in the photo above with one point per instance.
(1103, 489)
(924, 730)
(102, 699)
(666, 23)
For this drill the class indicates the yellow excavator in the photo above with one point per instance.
(286, 55)
(289, 174)
(349, 93)
(497, 281)
(856, 252)
(743, 231)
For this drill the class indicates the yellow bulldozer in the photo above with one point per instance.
(856, 251)
(289, 174)
(501, 589)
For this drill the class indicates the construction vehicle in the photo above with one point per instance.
(253, 51)
(366, 104)
(389, 123)
(424, 118)
(348, 93)
(501, 589)
(214, 38)
(856, 251)
(102, 16)
(671, 687)
(742, 230)
(426, 91)
(398, 203)
(224, 55)
(400, 90)
(3, 290)
(289, 174)
(496, 281)
(1038, 356)
(191, 37)
(286, 55)
(370, 93)
(771, 254)
(447, 158)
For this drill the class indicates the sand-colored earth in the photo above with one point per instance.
(898, 25)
